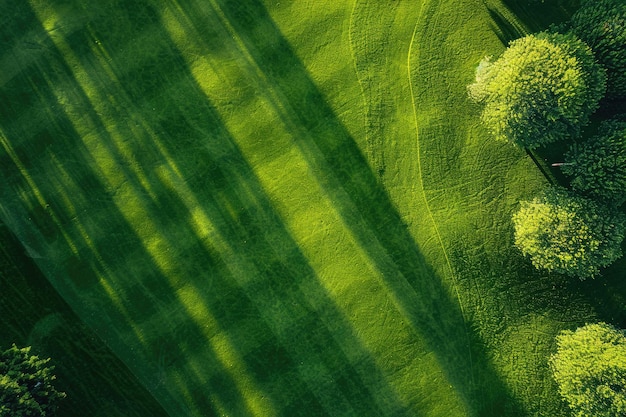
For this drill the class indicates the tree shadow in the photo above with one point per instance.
(505, 30)
(537, 16)
(76, 279)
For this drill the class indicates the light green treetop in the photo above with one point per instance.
(542, 89)
(590, 370)
(26, 385)
(562, 232)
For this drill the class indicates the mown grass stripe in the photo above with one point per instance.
(32, 185)
(255, 161)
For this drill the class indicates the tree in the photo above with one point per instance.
(26, 385)
(542, 89)
(598, 165)
(569, 234)
(602, 25)
(589, 368)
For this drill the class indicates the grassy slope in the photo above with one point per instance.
(471, 186)
(198, 179)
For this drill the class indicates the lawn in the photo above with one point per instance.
(283, 207)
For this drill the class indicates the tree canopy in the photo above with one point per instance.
(569, 234)
(590, 370)
(598, 165)
(542, 89)
(602, 25)
(26, 385)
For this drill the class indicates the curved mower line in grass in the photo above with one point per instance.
(427, 205)
(471, 188)
(418, 199)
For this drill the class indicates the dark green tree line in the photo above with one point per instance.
(601, 24)
(597, 166)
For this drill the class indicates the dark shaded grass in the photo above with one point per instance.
(81, 270)
(164, 207)
(504, 29)
(532, 16)
(536, 15)
(97, 383)
(61, 129)
(371, 29)
(516, 300)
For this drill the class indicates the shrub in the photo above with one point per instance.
(542, 89)
(598, 166)
(589, 368)
(26, 385)
(602, 25)
(569, 234)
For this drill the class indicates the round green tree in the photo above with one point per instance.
(542, 89)
(26, 385)
(566, 233)
(602, 25)
(598, 165)
(589, 368)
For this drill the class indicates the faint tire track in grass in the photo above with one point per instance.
(371, 57)
(355, 65)
(425, 197)
(373, 145)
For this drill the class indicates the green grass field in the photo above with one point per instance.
(278, 208)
